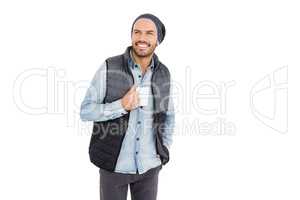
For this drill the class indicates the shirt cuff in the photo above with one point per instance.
(115, 108)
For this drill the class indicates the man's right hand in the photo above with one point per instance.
(131, 99)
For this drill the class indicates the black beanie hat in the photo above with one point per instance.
(160, 27)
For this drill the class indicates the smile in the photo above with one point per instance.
(142, 45)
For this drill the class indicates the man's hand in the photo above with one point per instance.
(131, 99)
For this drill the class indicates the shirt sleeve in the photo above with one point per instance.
(92, 107)
(170, 122)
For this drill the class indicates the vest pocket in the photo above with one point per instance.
(100, 155)
(106, 142)
(162, 150)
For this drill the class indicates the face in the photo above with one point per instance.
(144, 37)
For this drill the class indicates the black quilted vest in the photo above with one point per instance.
(107, 136)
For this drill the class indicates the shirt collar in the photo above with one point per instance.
(132, 63)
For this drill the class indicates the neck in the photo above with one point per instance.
(144, 62)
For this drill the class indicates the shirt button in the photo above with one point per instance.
(141, 106)
(140, 76)
(139, 122)
(137, 139)
(136, 65)
(136, 152)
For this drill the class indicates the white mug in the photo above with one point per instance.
(143, 95)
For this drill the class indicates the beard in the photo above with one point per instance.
(145, 51)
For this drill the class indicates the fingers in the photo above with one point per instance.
(133, 88)
(133, 97)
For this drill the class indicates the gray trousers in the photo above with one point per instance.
(114, 186)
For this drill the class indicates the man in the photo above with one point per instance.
(132, 132)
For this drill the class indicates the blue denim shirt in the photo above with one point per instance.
(138, 151)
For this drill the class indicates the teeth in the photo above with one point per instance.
(142, 45)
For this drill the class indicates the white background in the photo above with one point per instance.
(44, 145)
